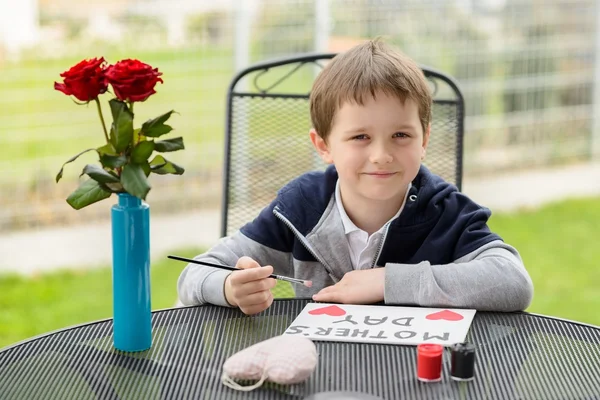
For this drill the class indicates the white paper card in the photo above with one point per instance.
(382, 324)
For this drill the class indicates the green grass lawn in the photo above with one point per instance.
(558, 244)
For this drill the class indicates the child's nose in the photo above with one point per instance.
(380, 155)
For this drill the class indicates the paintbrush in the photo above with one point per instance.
(228, 268)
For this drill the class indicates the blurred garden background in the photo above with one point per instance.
(529, 71)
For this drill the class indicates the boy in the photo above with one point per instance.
(376, 225)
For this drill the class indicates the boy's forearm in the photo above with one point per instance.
(491, 278)
(198, 284)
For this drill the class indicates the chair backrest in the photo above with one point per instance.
(266, 138)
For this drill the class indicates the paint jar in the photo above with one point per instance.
(462, 365)
(429, 362)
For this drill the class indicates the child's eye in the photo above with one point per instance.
(400, 135)
(360, 137)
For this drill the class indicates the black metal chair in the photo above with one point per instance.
(266, 137)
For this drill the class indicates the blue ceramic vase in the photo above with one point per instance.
(131, 274)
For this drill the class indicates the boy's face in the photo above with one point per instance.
(376, 148)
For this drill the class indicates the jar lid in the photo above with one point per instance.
(430, 349)
(464, 348)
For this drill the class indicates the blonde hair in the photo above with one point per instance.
(362, 71)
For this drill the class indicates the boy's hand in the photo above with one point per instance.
(250, 290)
(356, 287)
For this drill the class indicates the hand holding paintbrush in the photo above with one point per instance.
(249, 286)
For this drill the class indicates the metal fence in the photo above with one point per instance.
(529, 71)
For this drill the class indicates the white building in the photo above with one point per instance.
(19, 25)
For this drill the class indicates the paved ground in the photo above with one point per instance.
(84, 246)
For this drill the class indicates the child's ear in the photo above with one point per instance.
(321, 146)
(425, 141)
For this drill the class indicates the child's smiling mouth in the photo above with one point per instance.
(381, 174)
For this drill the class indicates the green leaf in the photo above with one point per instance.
(113, 161)
(121, 132)
(169, 145)
(107, 149)
(158, 131)
(134, 181)
(60, 173)
(157, 121)
(99, 174)
(156, 127)
(158, 162)
(142, 151)
(87, 193)
(162, 166)
(146, 167)
(112, 187)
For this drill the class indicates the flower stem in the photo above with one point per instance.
(130, 103)
(102, 120)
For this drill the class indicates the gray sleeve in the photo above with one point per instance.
(198, 284)
(491, 278)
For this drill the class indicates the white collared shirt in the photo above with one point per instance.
(363, 248)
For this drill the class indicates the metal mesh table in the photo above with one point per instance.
(519, 356)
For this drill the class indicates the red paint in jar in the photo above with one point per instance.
(429, 362)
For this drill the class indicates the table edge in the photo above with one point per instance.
(60, 330)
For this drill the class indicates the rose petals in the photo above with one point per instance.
(85, 81)
(133, 80)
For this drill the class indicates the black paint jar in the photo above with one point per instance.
(462, 366)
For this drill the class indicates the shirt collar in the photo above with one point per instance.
(349, 226)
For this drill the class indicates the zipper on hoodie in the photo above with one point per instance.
(412, 198)
(381, 243)
(303, 240)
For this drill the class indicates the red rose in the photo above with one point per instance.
(85, 80)
(133, 80)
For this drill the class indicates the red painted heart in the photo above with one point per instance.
(445, 315)
(333, 311)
